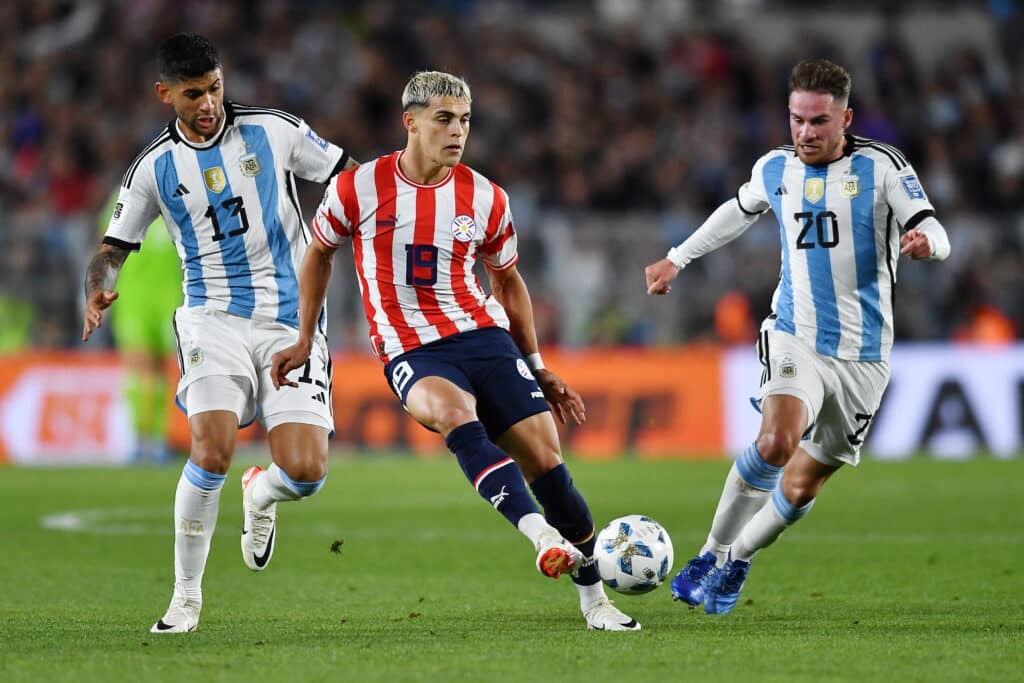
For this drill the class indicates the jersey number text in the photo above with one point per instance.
(827, 229)
(237, 210)
(420, 265)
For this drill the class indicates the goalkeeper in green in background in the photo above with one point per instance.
(143, 330)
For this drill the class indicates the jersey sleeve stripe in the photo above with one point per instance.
(129, 175)
(339, 167)
(895, 156)
(740, 204)
(322, 238)
(494, 221)
(916, 219)
(505, 266)
(121, 244)
(246, 110)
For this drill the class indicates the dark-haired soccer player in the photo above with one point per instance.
(222, 176)
(841, 202)
(463, 363)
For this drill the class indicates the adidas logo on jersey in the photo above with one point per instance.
(780, 191)
(181, 191)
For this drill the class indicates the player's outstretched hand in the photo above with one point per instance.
(660, 275)
(98, 302)
(916, 244)
(565, 402)
(283, 362)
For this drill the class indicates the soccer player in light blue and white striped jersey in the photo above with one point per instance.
(841, 203)
(222, 175)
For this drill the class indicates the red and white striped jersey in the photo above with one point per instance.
(415, 246)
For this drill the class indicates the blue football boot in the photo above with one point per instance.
(722, 589)
(688, 584)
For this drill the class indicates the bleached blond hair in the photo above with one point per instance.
(426, 84)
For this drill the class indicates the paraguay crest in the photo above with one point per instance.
(214, 179)
(463, 228)
(814, 189)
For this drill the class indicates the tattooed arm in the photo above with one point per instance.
(100, 279)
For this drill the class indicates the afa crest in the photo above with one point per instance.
(214, 179)
(463, 228)
(249, 165)
(814, 189)
(849, 186)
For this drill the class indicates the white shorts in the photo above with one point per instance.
(842, 396)
(231, 355)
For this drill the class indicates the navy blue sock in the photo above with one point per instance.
(565, 509)
(494, 475)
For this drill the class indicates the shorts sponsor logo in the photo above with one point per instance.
(787, 367)
(524, 370)
(912, 187)
(463, 228)
(195, 357)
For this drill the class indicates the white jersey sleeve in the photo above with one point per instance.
(136, 208)
(752, 195)
(906, 197)
(314, 158)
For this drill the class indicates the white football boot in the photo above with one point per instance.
(258, 526)
(604, 616)
(556, 556)
(181, 617)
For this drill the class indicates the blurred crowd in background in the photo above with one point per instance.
(615, 125)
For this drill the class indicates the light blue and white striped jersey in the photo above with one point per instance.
(231, 207)
(839, 224)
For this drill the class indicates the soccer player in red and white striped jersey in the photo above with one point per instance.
(464, 363)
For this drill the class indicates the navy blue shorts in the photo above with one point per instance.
(486, 363)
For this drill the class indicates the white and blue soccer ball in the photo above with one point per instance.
(633, 554)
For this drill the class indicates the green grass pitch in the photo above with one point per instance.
(909, 571)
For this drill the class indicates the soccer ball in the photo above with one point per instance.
(633, 554)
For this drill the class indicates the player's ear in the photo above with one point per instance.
(847, 118)
(409, 121)
(163, 93)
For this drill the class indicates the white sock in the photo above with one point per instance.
(760, 533)
(195, 518)
(532, 525)
(268, 488)
(591, 595)
(738, 504)
(766, 526)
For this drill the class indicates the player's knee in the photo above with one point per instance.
(798, 489)
(210, 457)
(447, 418)
(305, 481)
(777, 446)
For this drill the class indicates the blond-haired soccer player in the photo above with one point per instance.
(841, 202)
(463, 363)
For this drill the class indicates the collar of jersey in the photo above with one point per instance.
(229, 117)
(439, 183)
